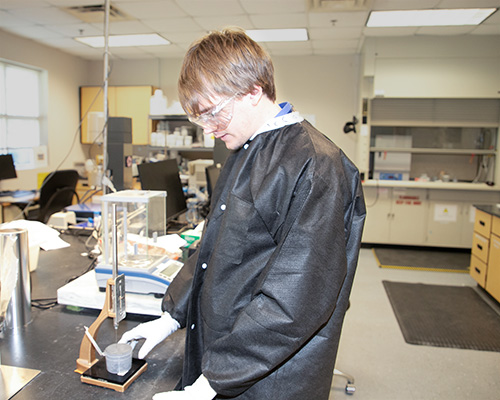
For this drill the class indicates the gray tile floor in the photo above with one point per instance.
(385, 367)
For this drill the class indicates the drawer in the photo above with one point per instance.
(493, 273)
(480, 247)
(482, 223)
(478, 270)
(495, 226)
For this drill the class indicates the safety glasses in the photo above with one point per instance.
(218, 118)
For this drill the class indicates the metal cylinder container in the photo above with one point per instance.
(15, 275)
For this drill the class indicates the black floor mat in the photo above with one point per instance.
(423, 259)
(444, 316)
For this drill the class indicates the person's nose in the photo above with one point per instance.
(208, 130)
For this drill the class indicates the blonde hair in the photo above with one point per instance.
(224, 63)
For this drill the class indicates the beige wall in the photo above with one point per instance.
(321, 86)
(65, 74)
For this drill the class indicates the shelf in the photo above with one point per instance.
(200, 149)
(433, 151)
(430, 185)
(179, 117)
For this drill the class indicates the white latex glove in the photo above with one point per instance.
(200, 390)
(153, 331)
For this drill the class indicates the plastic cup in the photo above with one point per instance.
(118, 358)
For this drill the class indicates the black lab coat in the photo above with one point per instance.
(264, 297)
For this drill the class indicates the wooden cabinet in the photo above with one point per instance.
(485, 257)
(493, 273)
(123, 101)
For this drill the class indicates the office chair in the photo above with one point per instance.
(56, 192)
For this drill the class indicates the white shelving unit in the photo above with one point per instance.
(448, 135)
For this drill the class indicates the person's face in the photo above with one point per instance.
(226, 119)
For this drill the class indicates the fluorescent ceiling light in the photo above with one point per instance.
(435, 17)
(152, 39)
(278, 35)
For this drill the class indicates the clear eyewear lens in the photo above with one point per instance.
(218, 118)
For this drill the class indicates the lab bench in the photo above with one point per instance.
(51, 341)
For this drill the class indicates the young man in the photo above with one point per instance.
(264, 297)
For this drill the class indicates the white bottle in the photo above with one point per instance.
(158, 103)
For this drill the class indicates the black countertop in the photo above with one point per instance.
(51, 341)
(492, 209)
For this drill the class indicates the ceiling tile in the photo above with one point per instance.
(166, 51)
(72, 30)
(380, 5)
(486, 30)
(125, 28)
(183, 21)
(183, 37)
(273, 6)
(336, 44)
(406, 31)
(34, 32)
(73, 3)
(273, 46)
(219, 22)
(444, 30)
(268, 21)
(335, 33)
(187, 24)
(341, 19)
(23, 4)
(7, 19)
(493, 19)
(152, 9)
(199, 8)
(469, 3)
(44, 15)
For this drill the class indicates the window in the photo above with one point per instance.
(23, 114)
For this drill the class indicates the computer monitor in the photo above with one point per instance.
(164, 175)
(7, 168)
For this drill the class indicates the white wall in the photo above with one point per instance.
(325, 87)
(434, 67)
(65, 74)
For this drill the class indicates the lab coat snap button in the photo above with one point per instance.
(204, 265)
(223, 207)
(192, 326)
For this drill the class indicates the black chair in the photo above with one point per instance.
(56, 192)
(212, 174)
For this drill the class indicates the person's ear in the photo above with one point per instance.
(255, 95)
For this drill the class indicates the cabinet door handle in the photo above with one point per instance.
(480, 247)
(482, 223)
(477, 270)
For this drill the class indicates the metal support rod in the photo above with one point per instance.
(105, 95)
(115, 241)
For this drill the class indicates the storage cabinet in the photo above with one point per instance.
(449, 223)
(485, 257)
(123, 101)
(396, 216)
(423, 216)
